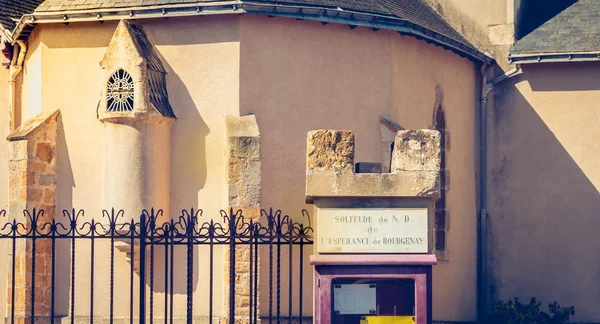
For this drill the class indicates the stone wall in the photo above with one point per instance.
(32, 187)
(243, 180)
(415, 166)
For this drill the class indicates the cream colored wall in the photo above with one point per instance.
(418, 68)
(4, 131)
(488, 24)
(544, 188)
(483, 13)
(298, 76)
(202, 60)
(31, 94)
(295, 76)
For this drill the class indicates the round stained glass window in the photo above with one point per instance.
(119, 94)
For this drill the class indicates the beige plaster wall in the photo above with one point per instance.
(31, 94)
(295, 76)
(4, 131)
(202, 61)
(298, 76)
(488, 24)
(418, 69)
(544, 188)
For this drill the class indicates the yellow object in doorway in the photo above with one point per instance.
(387, 320)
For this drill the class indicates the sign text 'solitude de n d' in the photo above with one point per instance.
(372, 230)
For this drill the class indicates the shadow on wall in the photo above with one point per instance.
(585, 81)
(543, 208)
(64, 193)
(188, 169)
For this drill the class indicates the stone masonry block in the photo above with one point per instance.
(35, 195)
(22, 164)
(45, 152)
(234, 172)
(331, 150)
(416, 150)
(47, 179)
(251, 212)
(251, 173)
(249, 196)
(37, 166)
(248, 147)
(18, 150)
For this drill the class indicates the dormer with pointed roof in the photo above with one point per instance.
(135, 83)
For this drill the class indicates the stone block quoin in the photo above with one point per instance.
(244, 186)
(330, 150)
(416, 150)
(32, 184)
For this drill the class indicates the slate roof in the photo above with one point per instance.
(156, 72)
(408, 17)
(414, 11)
(575, 29)
(13, 10)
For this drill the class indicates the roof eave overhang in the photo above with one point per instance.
(533, 58)
(316, 13)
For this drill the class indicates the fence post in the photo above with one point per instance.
(142, 296)
(232, 278)
(190, 265)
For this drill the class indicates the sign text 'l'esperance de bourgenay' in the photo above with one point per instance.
(372, 230)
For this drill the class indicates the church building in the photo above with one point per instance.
(297, 161)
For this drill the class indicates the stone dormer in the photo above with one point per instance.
(137, 118)
(135, 81)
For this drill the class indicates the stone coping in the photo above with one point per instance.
(31, 126)
(371, 260)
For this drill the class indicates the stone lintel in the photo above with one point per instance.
(330, 166)
(402, 184)
(32, 125)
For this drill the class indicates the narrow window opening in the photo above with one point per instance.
(440, 205)
(119, 94)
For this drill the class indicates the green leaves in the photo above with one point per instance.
(515, 312)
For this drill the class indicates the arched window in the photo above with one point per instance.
(440, 205)
(119, 94)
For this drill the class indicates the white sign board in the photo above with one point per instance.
(355, 299)
(372, 230)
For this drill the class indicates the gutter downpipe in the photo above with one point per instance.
(16, 66)
(482, 291)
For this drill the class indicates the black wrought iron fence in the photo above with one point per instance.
(33, 235)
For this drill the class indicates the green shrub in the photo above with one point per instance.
(515, 312)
